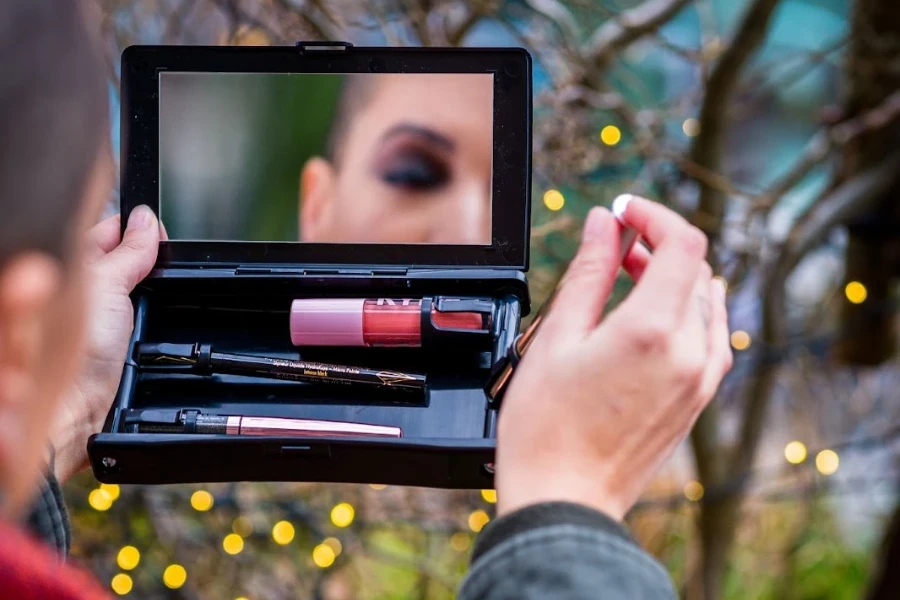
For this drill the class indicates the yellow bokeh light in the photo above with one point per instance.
(489, 496)
(827, 462)
(283, 532)
(693, 490)
(610, 135)
(740, 340)
(323, 555)
(241, 598)
(202, 500)
(242, 526)
(477, 520)
(554, 200)
(795, 452)
(460, 541)
(121, 584)
(334, 544)
(100, 500)
(128, 558)
(174, 576)
(342, 514)
(112, 489)
(691, 127)
(233, 543)
(377, 486)
(856, 292)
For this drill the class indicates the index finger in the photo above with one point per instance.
(679, 251)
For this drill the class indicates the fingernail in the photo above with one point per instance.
(619, 205)
(140, 217)
(720, 287)
(594, 225)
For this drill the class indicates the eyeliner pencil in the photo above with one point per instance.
(202, 358)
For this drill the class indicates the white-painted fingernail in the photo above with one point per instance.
(619, 205)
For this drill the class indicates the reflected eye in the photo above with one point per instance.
(415, 171)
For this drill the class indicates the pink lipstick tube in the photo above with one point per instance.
(386, 322)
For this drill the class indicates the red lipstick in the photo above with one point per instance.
(387, 321)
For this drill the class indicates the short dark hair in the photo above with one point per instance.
(53, 121)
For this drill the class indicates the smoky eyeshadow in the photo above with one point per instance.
(414, 169)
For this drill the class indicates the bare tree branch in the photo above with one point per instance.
(629, 26)
(708, 145)
(558, 14)
(825, 141)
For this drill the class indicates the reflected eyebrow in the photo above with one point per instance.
(429, 135)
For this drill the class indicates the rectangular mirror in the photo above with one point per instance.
(362, 158)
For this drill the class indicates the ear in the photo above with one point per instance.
(317, 187)
(28, 285)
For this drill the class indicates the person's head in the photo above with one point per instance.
(55, 172)
(409, 160)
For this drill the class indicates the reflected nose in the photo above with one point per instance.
(465, 218)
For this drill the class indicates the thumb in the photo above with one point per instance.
(135, 256)
(586, 287)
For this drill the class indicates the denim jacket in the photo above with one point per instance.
(564, 552)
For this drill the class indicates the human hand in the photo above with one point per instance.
(114, 269)
(594, 408)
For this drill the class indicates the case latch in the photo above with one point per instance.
(327, 46)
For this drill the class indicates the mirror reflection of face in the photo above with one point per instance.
(411, 164)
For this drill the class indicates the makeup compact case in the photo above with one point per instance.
(259, 357)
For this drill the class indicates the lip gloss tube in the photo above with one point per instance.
(388, 322)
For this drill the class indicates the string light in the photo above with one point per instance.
(233, 544)
(856, 292)
(323, 555)
(460, 541)
(174, 576)
(283, 533)
(128, 558)
(202, 500)
(740, 340)
(477, 520)
(693, 491)
(242, 526)
(827, 462)
(554, 200)
(334, 544)
(691, 127)
(490, 496)
(121, 584)
(100, 500)
(342, 514)
(377, 486)
(795, 452)
(112, 489)
(610, 135)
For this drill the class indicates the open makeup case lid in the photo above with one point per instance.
(144, 66)
(235, 294)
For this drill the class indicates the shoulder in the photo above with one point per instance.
(31, 571)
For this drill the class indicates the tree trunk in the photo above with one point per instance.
(873, 72)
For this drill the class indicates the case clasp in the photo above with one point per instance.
(322, 46)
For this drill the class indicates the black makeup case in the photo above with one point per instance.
(236, 296)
